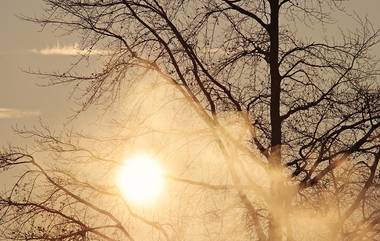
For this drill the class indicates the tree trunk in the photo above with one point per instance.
(275, 226)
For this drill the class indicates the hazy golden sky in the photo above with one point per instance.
(24, 46)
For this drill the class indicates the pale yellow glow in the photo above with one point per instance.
(140, 179)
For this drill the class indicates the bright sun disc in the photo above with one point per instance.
(140, 179)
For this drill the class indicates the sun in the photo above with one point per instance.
(140, 179)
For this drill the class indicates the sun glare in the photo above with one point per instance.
(140, 179)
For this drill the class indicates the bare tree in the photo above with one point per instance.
(311, 105)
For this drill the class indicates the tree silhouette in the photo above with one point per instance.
(311, 106)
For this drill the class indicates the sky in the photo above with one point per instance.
(23, 46)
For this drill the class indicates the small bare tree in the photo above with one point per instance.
(311, 106)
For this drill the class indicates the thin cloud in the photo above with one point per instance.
(10, 113)
(70, 50)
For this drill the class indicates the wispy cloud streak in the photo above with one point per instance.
(69, 50)
(10, 113)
